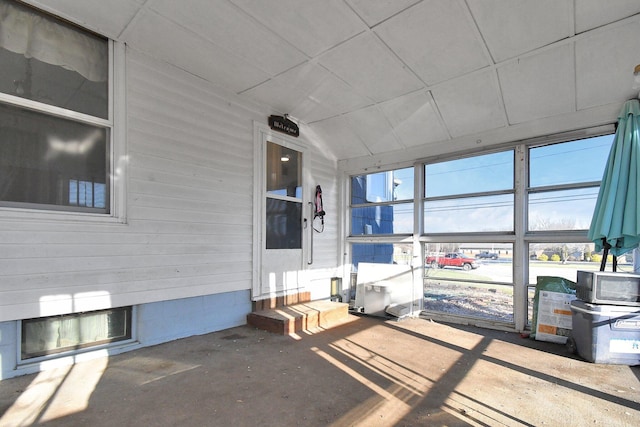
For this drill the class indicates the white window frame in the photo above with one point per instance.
(116, 124)
(88, 352)
(261, 134)
(520, 237)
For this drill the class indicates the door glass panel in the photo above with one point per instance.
(284, 171)
(283, 224)
(283, 220)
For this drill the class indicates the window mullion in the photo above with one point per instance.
(520, 252)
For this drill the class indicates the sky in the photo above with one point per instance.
(551, 165)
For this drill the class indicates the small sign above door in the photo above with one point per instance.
(284, 125)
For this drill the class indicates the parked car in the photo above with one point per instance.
(487, 255)
(453, 259)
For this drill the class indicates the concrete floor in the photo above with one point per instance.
(368, 372)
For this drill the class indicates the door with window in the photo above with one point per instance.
(280, 260)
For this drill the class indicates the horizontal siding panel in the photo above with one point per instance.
(191, 89)
(189, 222)
(173, 140)
(160, 284)
(325, 245)
(159, 194)
(65, 250)
(215, 168)
(73, 303)
(220, 203)
(196, 217)
(102, 279)
(188, 229)
(187, 121)
(200, 188)
(91, 264)
(146, 233)
(220, 230)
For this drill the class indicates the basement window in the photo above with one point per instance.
(46, 336)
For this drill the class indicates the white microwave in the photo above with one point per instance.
(602, 287)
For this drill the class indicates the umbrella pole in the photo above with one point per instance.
(605, 253)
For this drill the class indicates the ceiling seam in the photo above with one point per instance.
(134, 19)
(486, 49)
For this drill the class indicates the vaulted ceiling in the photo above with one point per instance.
(370, 77)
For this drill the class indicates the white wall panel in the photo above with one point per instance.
(189, 223)
(324, 173)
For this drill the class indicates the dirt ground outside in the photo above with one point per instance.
(470, 293)
(485, 302)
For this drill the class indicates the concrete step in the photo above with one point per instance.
(300, 317)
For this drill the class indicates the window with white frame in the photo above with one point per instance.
(382, 203)
(473, 194)
(563, 183)
(381, 218)
(470, 233)
(468, 228)
(564, 180)
(45, 336)
(56, 123)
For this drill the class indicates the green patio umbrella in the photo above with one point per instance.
(615, 225)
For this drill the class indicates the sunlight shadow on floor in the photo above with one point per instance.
(56, 393)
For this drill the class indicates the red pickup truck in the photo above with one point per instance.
(453, 259)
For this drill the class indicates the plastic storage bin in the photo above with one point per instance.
(606, 333)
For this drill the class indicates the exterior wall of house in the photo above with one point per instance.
(182, 256)
(155, 323)
(326, 258)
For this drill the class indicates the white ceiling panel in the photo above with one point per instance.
(335, 97)
(591, 13)
(374, 12)
(511, 28)
(370, 68)
(436, 39)
(374, 130)
(108, 18)
(310, 92)
(605, 63)
(415, 119)
(255, 43)
(539, 86)
(310, 25)
(189, 51)
(383, 78)
(290, 89)
(339, 135)
(470, 104)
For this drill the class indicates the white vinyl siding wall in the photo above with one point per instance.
(188, 225)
